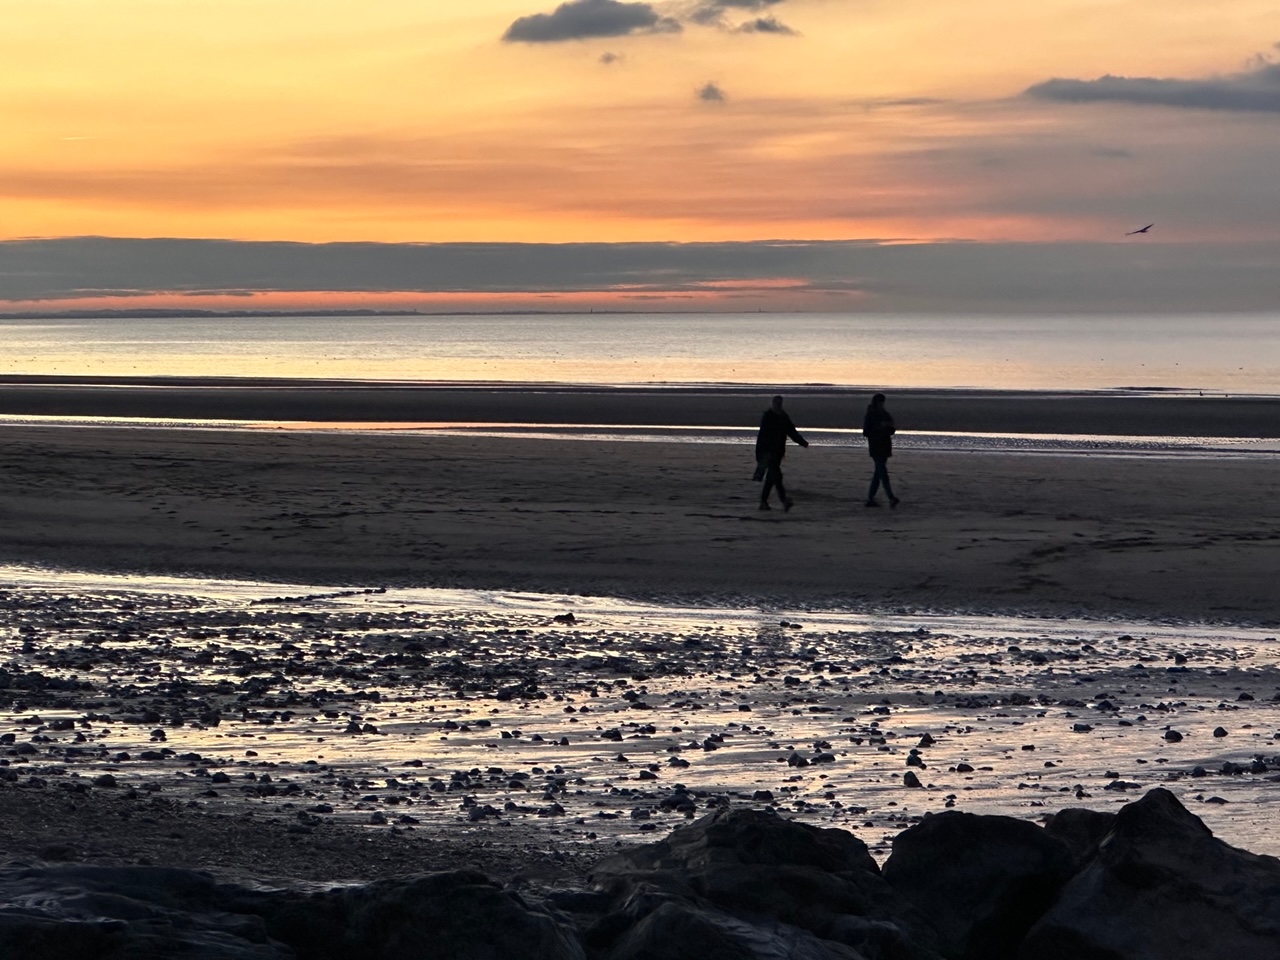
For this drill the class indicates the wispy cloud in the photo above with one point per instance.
(712, 12)
(766, 25)
(1256, 90)
(585, 19)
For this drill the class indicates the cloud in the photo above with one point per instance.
(1256, 90)
(766, 25)
(584, 19)
(712, 12)
(711, 93)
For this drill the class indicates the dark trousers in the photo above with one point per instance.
(880, 476)
(773, 478)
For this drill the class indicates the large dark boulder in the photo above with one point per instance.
(756, 867)
(678, 931)
(75, 912)
(1162, 886)
(1081, 830)
(981, 881)
(737, 837)
(70, 912)
(461, 915)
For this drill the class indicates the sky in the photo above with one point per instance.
(1003, 147)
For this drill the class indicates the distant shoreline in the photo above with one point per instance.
(1121, 412)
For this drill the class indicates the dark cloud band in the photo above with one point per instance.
(924, 277)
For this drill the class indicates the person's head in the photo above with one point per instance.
(777, 402)
(878, 400)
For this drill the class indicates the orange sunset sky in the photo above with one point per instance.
(598, 121)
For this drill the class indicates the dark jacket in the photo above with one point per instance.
(878, 428)
(771, 441)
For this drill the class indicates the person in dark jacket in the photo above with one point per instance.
(878, 428)
(771, 447)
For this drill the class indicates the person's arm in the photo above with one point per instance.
(794, 434)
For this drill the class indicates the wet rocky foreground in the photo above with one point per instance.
(584, 725)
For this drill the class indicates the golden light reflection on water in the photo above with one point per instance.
(1239, 354)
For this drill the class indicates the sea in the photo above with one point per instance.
(1210, 353)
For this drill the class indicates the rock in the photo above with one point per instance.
(1162, 886)
(1219, 731)
(118, 912)
(806, 890)
(678, 931)
(909, 779)
(1173, 736)
(981, 880)
(737, 837)
(1081, 830)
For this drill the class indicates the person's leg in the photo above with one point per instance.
(883, 467)
(782, 492)
(875, 481)
(772, 478)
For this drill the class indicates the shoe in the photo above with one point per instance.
(894, 502)
(765, 506)
(872, 503)
(787, 505)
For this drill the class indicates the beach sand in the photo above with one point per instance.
(1143, 537)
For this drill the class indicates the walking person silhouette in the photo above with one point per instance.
(878, 428)
(771, 447)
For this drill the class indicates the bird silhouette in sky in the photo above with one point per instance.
(1141, 230)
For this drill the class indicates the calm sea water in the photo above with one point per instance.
(1219, 353)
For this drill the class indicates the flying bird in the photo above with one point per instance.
(1142, 230)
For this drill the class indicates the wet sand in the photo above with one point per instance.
(1144, 537)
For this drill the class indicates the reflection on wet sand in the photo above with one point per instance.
(596, 719)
